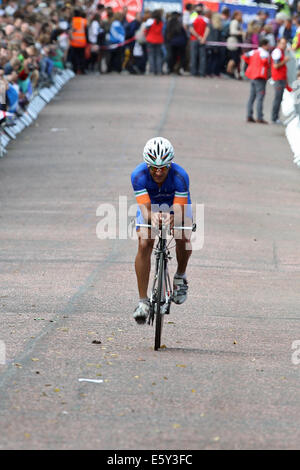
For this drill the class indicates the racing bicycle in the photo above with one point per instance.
(162, 292)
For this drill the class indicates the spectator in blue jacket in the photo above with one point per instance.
(116, 37)
(117, 31)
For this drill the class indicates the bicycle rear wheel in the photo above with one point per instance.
(159, 320)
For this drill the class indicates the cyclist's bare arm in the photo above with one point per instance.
(146, 211)
(178, 214)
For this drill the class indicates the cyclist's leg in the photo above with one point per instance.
(142, 269)
(183, 253)
(182, 238)
(143, 261)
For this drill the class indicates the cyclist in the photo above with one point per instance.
(162, 192)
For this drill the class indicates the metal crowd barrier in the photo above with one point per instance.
(290, 108)
(35, 106)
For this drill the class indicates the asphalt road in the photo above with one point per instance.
(225, 379)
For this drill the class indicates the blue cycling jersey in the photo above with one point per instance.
(175, 188)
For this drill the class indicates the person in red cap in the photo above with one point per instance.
(258, 72)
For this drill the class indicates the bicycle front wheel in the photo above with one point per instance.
(160, 293)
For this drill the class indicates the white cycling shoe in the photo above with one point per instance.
(180, 288)
(141, 312)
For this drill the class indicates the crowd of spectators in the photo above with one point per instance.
(34, 44)
(159, 43)
(39, 39)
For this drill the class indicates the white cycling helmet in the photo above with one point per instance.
(158, 152)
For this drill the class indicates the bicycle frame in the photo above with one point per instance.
(161, 251)
(161, 292)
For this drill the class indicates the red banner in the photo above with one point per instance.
(213, 6)
(133, 6)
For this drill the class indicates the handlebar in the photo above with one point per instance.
(193, 228)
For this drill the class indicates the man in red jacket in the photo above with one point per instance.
(199, 30)
(279, 75)
(258, 71)
(155, 39)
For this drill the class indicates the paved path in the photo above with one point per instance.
(225, 379)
